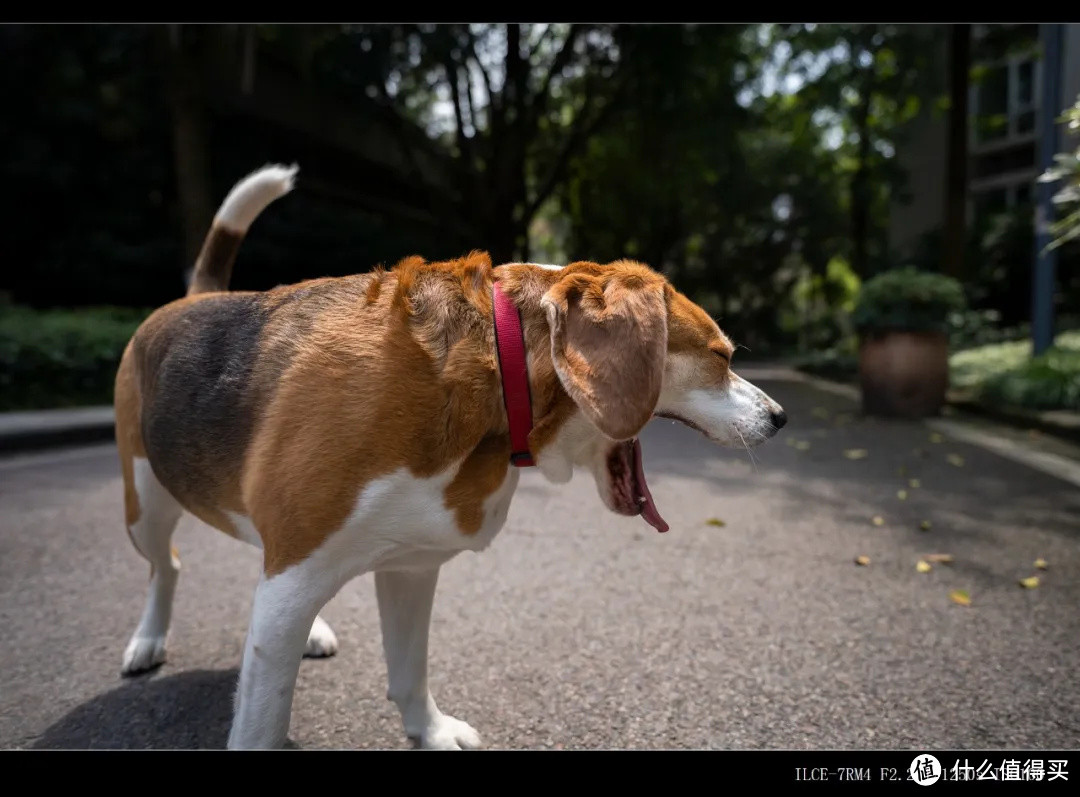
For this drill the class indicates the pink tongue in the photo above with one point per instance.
(648, 509)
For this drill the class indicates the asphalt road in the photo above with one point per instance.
(580, 629)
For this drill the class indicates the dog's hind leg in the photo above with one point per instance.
(321, 641)
(151, 534)
(150, 514)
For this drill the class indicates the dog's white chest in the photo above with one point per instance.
(403, 521)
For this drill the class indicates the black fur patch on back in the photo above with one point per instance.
(199, 407)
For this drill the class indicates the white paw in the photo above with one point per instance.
(321, 641)
(447, 733)
(142, 654)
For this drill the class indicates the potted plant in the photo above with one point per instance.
(902, 318)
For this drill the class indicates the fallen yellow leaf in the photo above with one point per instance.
(922, 567)
(960, 596)
(936, 438)
(802, 445)
(925, 525)
(1029, 583)
(877, 520)
(901, 494)
(862, 560)
(820, 412)
(939, 558)
(914, 484)
(901, 471)
(715, 521)
(1041, 564)
(856, 453)
(955, 459)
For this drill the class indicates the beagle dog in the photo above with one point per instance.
(376, 423)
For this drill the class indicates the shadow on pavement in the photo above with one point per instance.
(190, 710)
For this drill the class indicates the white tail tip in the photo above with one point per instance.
(249, 197)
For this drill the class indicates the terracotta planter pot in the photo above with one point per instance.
(904, 374)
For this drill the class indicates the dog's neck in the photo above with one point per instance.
(552, 407)
(514, 373)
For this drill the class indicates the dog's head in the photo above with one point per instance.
(625, 347)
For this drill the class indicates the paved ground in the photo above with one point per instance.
(581, 629)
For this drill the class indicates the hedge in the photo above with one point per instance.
(61, 358)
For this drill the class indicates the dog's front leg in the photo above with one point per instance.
(285, 608)
(405, 599)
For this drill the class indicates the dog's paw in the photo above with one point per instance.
(142, 654)
(447, 733)
(321, 641)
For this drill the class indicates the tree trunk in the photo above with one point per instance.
(860, 193)
(190, 149)
(860, 181)
(954, 239)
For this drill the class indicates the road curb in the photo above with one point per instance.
(1062, 424)
(1059, 423)
(957, 426)
(28, 431)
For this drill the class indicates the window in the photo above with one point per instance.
(1004, 104)
(1004, 98)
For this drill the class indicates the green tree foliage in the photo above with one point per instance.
(1067, 172)
(499, 110)
(754, 164)
(744, 159)
(865, 81)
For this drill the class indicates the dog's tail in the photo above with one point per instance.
(248, 199)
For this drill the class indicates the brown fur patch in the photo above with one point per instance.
(691, 331)
(407, 381)
(128, 435)
(609, 342)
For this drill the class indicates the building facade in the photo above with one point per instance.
(1003, 132)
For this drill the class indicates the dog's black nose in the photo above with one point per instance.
(779, 419)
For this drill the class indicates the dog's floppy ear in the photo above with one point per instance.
(609, 342)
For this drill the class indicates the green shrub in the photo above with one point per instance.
(1050, 381)
(61, 358)
(969, 369)
(1007, 374)
(908, 300)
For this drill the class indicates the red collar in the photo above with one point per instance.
(510, 348)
